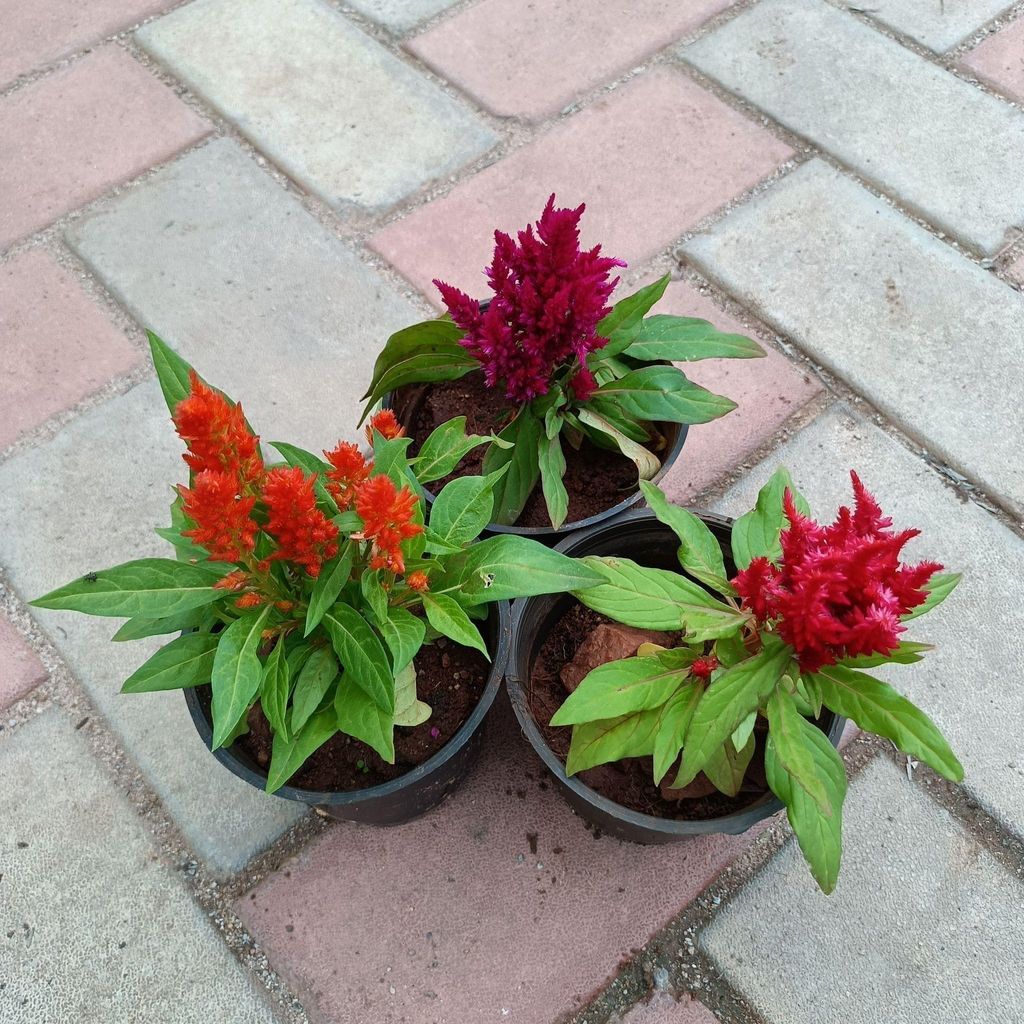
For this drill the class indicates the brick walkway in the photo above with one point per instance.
(271, 185)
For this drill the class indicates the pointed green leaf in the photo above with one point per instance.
(362, 655)
(409, 711)
(186, 661)
(374, 594)
(744, 731)
(551, 461)
(403, 632)
(646, 462)
(513, 489)
(357, 715)
(445, 447)
(333, 576)
(171, 371)
(138, 628)
(757, 532)
(463, 508)
(939, 588)
(288, 755)
(622, 324)
(727, 766)
(237, 672)
(794, 746)
(673, 725)
(612, 739)
(312, 685)
(617, 688)
(449, 619)
(680, 339)
(659, 392)
(906, 653)
(275, 689)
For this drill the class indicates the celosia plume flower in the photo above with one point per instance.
(349, 470)
(303, 533)
(703, 667)
(223, 518)
(838, 590)
(548, 299)
(387, 516)
(418, 581)
(386, 424)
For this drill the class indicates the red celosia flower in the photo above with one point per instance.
(418, 581)
(349, 470)
(583, 384)
(237, 580)
(548, 300)
(703, 667)
(250, 600)
(387, 515)
(216, 433)
(303, 533)
(839, 590)
(386, 424)
(224, 525)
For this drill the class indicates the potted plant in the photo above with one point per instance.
(584, 391)
(716, 664)
(330, 636)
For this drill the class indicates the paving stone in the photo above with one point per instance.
(20, 668)
(411, 911)
(343, 116)
(93, 928)
(547, 55)
(923, 927)
(650, 160)
(1015, 270)
(399, 15)
(229, 268)
(58, 344)
(965, 685)
(938, 143)
(939, 26)
(118, 463)
(909, 322)
(37, 33)
(999, 60)
(767, 392)
(76, 133)
(663, 1008)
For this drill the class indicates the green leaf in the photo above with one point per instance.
(444, 449)
(622, 324)
(906, 653)
(660, 392)
(312, 685)
(359, 716)
(184, 549)
(186, 661)
(463, 508)
(672, 727)
(744, 731)
(820, 836)
(288, 755)
(333, 576)
(450, 620)
(171, 371)
(361, 655)
(939, 588)
(730, 649)
(391, 459)
(403, 632)
(409, 711)
(657, 599)
(617, 688)
(551, 461)
(757, 532)
(612, 739)
(727, 701)
(681, 339)
(647, 463)
(237, 672)
(700, 554)
(148, 588)
(876, 707)
(139, 628)
(726, 766)
(311, 466)
(275, 689)
(437, 545)
(374, 594)
(793, 746)
(514, 488)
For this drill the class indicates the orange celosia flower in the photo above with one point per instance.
(418, 581)
(236, 580)
(303, 533)
(386, 424)
(249, 600)
(349, 470)
(224, 524)
(216, 433)
(387, 515)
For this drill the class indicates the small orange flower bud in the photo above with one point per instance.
(250, 600)
(386, 424)
(233, 581)
(418, 581)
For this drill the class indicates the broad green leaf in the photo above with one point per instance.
(515, 487)
(357, 715)
(939, 588)
(347, 522)
(449, 619)
(362, 655)
(808, 692)
(333, 576)
(463, 508)
(409, 711)
(312, 685)
(551, 461)
(657, 599)
(374, 594)
(757, 532)
(622, 324)
(731, 649)
(646, 462)
(237, 672)
(876, 707)
(700, 554)
(390, 458)
(727, 765)
(682, 339)
(794, 746)
(820, 836)
(186, 661)
(288, 755)
(660, 392)
(403, 632)
(436, 545)
(184, 549)
(744, 731)
(617, 688)
(149, 588)
(612, 739)
(171, 371)
(275, 689)
(907, 653)
(139, 628)
(676, 714)
(445, 447)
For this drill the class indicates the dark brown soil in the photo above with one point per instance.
(450, 678)
(595, 478)
(629, 783)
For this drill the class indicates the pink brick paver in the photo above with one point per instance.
(20, 669)
(767, 391)
(999, 60)
(72, 135)
(651, 160)
(37, 32)
(57, 344)
(530, 60)
(453, 918)
(664, 1009)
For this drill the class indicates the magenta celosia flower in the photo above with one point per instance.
(548, 299)
(839, 590)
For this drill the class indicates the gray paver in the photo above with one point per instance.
(939, 26)
(89, 499)
(937, 143)
(342, 115)
(229, 268)
(923, 927)
(400, 15)
(93, 928)
(970, 684)
(925, 333)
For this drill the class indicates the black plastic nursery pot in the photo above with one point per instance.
(410, 795)
(640, 536)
